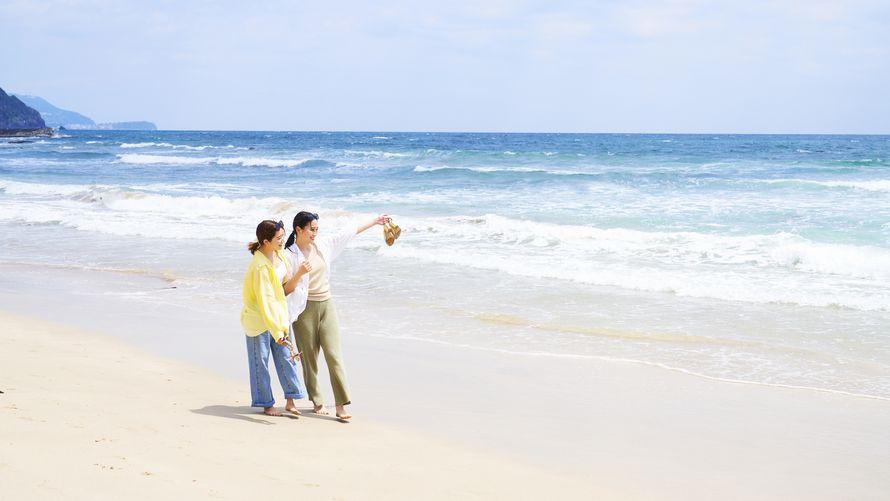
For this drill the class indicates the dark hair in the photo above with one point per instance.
(300, 221)
(266, 230)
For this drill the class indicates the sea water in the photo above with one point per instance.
(758, 259)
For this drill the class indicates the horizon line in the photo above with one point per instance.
(345, 131)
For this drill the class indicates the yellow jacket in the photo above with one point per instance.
(265, 308)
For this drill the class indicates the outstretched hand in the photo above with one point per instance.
(377, 221)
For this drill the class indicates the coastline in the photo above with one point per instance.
(487, 424)
(40, 132)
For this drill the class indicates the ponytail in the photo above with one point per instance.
(291, 239)
(265, 231)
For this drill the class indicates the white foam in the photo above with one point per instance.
(175, 146)
(18, 188)
(700, 283)
(847, 260)
(124, 211)
(424, 168)
(140, 159)
(488, 170)
(875, 185)
(137, 158)
(143, 145)
(755, 268)
(263, 162)
(881, 185)
(158, 216)
(780, 267)
(376, 153)
(783, 251)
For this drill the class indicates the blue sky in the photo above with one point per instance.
(632, 66)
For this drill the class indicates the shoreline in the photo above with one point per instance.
(622, 429)
(168, 281)
(40, 132)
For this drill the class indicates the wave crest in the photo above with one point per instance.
(142, 159)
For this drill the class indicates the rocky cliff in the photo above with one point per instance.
(17, 116)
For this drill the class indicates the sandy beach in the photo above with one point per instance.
(87, 414)
(86, 417)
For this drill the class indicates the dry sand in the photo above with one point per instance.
(84, 416)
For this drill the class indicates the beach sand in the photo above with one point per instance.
(129, 399)
(85, 417)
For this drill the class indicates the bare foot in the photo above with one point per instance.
(271, 411)
(342, 414)
(321, 411)
(291, 407)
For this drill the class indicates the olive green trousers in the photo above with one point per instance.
(317, 329)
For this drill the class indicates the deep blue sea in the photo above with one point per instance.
(763, 259)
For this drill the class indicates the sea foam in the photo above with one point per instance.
(177, 146)
(881, 185)
(142, 159)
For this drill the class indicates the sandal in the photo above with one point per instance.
(388, 233)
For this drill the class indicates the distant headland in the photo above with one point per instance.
(59, 118)
(24, 115)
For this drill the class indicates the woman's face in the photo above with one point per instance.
(277, 243)
(308, 232)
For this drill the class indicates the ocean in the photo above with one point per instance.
(761, 259)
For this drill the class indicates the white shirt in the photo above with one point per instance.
(329, 247)
(281, 270)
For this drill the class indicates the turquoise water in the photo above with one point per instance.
(757, 258)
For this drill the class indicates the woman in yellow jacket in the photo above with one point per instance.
(266, 322)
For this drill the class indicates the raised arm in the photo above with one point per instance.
(335, 244)
(377, 221)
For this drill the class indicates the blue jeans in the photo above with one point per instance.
(258, 349)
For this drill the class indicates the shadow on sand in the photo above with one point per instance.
(255, 415)
(240, 412)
